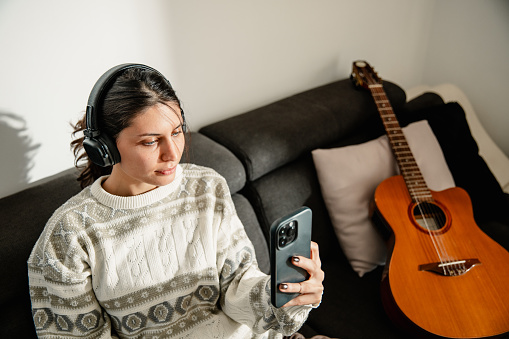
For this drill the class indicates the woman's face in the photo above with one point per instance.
(150, 150)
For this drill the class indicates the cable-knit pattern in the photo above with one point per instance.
(171, 263)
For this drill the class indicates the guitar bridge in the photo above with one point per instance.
(450, 268)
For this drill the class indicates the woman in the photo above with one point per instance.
(152, 248)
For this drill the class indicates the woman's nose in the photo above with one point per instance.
(170, 151)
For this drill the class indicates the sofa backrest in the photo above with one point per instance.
(274, 143)
(269, 137)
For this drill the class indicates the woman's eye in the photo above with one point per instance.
(176, 133)
(150, 143)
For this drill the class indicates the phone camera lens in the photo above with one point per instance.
(291, 231)
(282, 242)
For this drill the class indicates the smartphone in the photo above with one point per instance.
(289, 236)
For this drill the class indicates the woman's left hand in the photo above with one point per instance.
(310, 290)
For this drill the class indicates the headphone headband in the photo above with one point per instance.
(100, 148)
(103, 84)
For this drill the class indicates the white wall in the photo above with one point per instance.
(232, 56)
(52, 52)
(469, 47)
(224, 57)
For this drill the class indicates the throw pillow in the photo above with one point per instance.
(348, 178)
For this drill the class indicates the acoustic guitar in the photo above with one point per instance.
(444, 277)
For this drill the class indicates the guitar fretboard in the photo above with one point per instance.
(408, 168)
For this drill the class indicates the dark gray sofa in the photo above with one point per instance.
(265, 156)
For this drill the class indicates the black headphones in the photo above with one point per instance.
(102, 149)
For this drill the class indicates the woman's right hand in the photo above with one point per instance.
(311, 290)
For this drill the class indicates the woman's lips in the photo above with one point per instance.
(166, 171)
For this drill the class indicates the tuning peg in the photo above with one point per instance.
(355, 81)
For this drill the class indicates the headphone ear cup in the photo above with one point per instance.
(101, 150)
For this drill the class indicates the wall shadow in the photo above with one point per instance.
(16, 153)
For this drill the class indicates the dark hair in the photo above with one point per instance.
(132, 92)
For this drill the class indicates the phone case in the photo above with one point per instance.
(286, 242)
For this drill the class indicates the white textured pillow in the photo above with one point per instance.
(348, 178)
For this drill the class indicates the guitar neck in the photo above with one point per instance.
(408, 167)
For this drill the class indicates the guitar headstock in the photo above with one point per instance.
(364, 75)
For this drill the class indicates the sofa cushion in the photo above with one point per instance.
(423, 102)
(349, 176)
(274, 135)
(351, 306)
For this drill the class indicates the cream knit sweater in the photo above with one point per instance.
(174, 262)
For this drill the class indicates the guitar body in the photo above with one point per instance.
(465, 300)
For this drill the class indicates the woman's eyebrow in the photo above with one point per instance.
(156, 134)
(149, 135)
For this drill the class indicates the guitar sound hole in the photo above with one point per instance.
(429, 216)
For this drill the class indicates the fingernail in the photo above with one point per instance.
(284, 286)
(296, 259)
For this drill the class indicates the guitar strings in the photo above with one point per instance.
(437, 220)
(450, 265)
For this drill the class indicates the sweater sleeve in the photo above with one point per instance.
(63, 301)
(245, 290)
